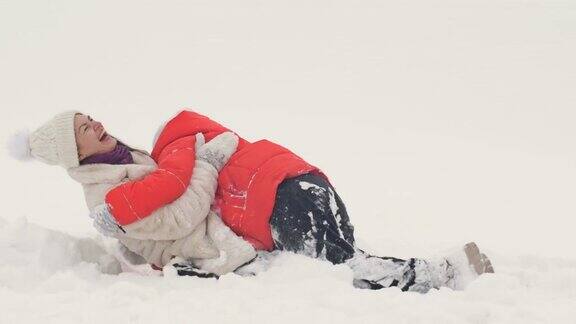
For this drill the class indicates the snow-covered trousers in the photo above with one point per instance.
(309, 218)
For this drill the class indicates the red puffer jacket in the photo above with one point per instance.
(246, 185)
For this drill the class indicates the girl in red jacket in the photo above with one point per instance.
(276, 201)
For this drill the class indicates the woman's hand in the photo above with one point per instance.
(218, 150)
(104, 222)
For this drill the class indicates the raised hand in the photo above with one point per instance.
(218, 150)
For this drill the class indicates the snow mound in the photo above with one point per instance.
(31, 254)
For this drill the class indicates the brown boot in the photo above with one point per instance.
(479, 261)
(460, 266)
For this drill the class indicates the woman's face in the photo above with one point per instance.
(91, 138)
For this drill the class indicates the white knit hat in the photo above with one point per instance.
(53, 143)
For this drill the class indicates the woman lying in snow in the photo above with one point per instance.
(205, 200)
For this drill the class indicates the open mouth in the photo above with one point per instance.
(104, 137)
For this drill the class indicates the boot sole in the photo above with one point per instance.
(488, 268)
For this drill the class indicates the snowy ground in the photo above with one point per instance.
(439, 122)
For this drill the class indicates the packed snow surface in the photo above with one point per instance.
(438, 122)
(44, 278)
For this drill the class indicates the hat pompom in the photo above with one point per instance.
(18, 145)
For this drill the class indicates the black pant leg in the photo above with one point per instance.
(341, 216)
(309, 218)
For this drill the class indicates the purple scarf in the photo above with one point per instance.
(119, 155)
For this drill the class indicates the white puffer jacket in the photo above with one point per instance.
(185, 228)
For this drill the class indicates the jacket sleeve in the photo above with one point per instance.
(181, 217)
(135, 200)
